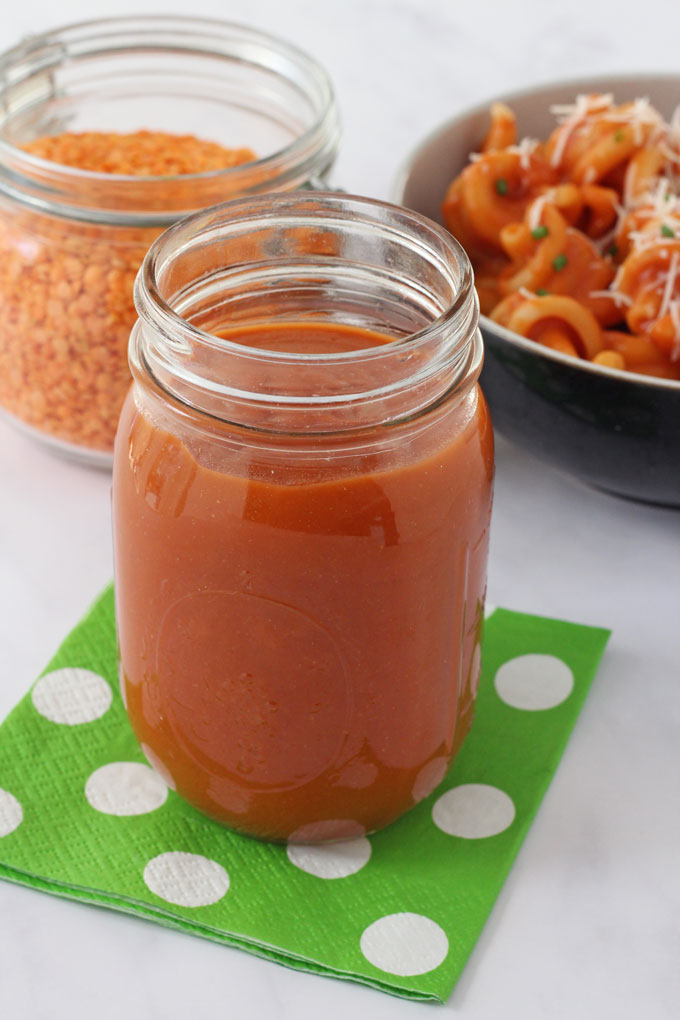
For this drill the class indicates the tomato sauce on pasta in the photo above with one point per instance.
(575, 239)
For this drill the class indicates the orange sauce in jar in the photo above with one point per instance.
(299, 633)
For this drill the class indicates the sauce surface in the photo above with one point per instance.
(299, 635)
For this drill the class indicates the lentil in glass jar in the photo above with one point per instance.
(110, 131)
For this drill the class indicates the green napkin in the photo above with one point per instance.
(83, 816)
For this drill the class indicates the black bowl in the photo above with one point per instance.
(615, 430)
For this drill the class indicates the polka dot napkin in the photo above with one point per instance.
(83, 815)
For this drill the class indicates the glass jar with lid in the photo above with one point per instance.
(301, 499)
(110, 131)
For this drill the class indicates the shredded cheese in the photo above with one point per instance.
(572, 115)
(537, 207)
(670, 285)
(616, 296)
(671, 155)
(619, 209)
(674, 127)
(639, 115)
(656, 211)
(583, 105)
(674, 309)
(524, 150)
(643, 239)
(617, 279)
(659, 202)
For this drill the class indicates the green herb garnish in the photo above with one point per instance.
(538, 232)
(502, 186)
(559, 262)
(612, 250)
(618, 136)
(542, 292)
(667, 231)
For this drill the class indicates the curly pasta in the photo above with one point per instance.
(575, 240)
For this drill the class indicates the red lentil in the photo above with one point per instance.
(66, 306)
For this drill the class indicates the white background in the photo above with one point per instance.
(588, 924)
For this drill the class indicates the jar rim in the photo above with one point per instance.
(393, 270)
(322, 132)
(157, 312)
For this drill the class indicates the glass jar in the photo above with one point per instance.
(301, 512)
(72, 240)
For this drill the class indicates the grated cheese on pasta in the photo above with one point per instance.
(674, 309)
(638, 200)
(641, 114)
(572, 115)
(670, 285)
(537, 207)
(616, 296)
(524, 150)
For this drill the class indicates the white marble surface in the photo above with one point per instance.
(588, 924)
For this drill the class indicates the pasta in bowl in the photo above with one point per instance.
(567, 200)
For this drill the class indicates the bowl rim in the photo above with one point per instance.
(401, 177)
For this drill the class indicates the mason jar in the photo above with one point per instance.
(72, 240)
(301, 500)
